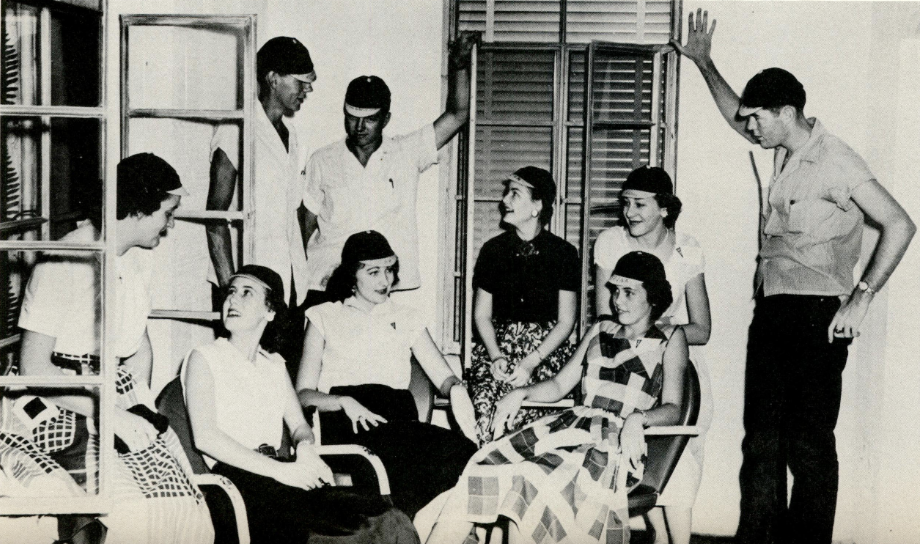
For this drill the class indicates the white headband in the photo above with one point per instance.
(360, 112)
(623, 281)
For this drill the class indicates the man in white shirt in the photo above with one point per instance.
(368, 182)
(285, 75)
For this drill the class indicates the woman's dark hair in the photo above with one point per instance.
(341, 284)
(672, 205)
(279, 328)
(659, 297)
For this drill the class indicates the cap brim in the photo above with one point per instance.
(253, 278)
(180, 191)
(745, 111)
(360, 112)
(306, 78)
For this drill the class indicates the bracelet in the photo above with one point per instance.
(499, 358)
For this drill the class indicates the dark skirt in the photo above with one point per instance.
(281, 513)
(516, 339)
(421, 460)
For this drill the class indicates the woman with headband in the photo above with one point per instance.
(356, 368)
(650, 209)
(526, 281)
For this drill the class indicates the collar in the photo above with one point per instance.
(378, 155)
(383, 308)
(809, 151)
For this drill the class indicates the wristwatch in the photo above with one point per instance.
(865, 288)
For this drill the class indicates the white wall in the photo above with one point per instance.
(847, 57)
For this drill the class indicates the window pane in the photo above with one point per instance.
(184, 68)
(20, 75)
(75, 191)
(622, 88)
(576, 85)
(573, 162)
(76, 40)
(527, 20)
(76, 173)
(62, 297)
(487, 226)
(615, 153)
(20, 197)
(513, 20)
(515, 85)
(502, 150)
(632, 21)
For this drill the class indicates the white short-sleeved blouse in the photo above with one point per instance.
(246, 393)
(63, 298)
(685, 263)
(367, 347)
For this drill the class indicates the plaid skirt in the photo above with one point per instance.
(562, 479)
(516, 339)
(49, 451)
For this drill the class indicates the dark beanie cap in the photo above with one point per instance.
(368, 245)
(650, 179)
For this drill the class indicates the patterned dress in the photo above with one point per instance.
(154, 500)
(564, 478)
(516, 340)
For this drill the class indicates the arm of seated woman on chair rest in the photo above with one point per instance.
(209, 439)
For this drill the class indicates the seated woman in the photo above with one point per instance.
(240, 398)
(569, 474)
(52, 440)
(650, 210)
(526, 282)
(356, 367)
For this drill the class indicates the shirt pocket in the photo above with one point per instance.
(814, 221)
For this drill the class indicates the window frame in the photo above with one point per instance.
(103, 382)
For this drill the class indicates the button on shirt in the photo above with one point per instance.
(367, 347)
(348, 198)
(812, 236)
(64, 296)
(277, 190)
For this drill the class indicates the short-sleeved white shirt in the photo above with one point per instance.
(349, 198)
(248, 405)
(685, 263)
(277, 192)
(63, 298)
(812, 233)
(367, 347)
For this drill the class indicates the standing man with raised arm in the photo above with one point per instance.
(285, 76)
(807, 309)
(368, 182)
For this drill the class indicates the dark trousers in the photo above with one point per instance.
(421, 460)
(792, 399)
(280, 513)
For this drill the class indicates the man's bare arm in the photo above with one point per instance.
(457, 112)
(220, 194)
(698, 49)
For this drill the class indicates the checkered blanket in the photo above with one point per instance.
(563, 479)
